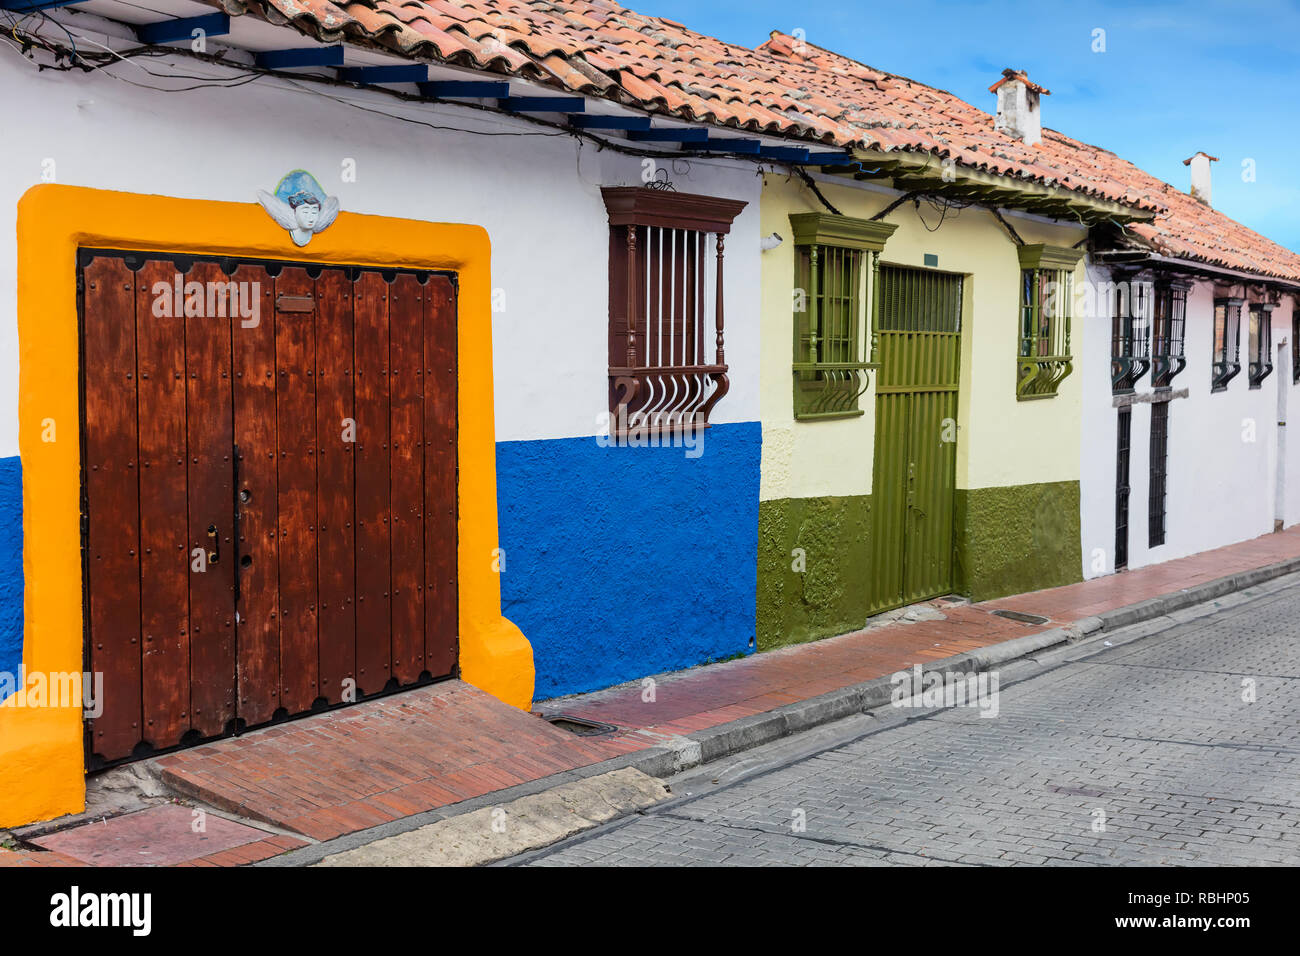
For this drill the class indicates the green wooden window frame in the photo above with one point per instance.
(836, 304)
(1227, 342)
(1259, 349)
(1044, 358)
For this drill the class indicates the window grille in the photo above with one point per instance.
(1130, 323)
(1159, 461)
(1260, 343)
(667, 355)
(836, 304)
(1295, 344)
(1123, 435)
(1046, 306)
(1168, 325)
(1227, 343)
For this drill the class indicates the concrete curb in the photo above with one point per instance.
(701, 747)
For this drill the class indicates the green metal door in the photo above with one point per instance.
(919, 352)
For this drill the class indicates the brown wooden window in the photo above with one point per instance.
(1046, 304)
(1130, 323)
(837, 270)
(1227, 343)
(1260, 343)
(1167, 328)
(667, 358)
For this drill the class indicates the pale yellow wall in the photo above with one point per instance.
(1001, 441)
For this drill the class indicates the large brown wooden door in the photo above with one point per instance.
(269, 490)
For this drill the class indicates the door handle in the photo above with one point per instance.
(214, 553)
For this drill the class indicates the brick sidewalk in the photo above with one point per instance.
(433, 747)
(705, 697)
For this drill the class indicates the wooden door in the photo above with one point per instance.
(914, 466)
(269, 491)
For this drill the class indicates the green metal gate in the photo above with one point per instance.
(919, 353)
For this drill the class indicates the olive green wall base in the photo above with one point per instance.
(832, 595)
(1016, 539)
(1007, 541)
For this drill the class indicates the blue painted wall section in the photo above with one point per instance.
(11, 564)
(624, 562)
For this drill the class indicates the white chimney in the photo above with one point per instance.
(1201, 176)
(1018, 113)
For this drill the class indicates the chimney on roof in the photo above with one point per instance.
(1201, 177)
(1018, 113)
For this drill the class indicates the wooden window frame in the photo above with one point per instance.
(1226, 343)
(830, 386)
(1043, 358)
(657, 383)
(1259, 342)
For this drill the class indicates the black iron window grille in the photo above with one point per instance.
(1295, 345)
(1169, 322)
(1159, 472)
(1123, 433)
(1227, 343)
(1260, 343)
(1130, 324)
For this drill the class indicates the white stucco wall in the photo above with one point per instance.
(1222, 463)
(536, 192)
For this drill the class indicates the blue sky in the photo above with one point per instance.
(1174, 77)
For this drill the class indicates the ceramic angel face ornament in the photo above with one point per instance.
(300, 205)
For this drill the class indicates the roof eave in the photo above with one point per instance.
(926, 173)
(1143, 257)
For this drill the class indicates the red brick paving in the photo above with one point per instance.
(29, 858)
(158, 836)
(362, 766)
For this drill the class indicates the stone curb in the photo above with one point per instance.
(704, 746)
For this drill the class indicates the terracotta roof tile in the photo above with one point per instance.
(785, 86)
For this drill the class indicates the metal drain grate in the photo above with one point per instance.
(579, 725)
(1021, 617)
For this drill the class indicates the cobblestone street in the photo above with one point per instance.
(1149, 751)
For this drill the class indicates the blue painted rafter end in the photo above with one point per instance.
(300, 56)
(401, 73)
(789, 154)
(169, 31)
(544, 104)
(831, 159)
(670, 135)
(469, 89)
(722, 144)
(30, 6)
(630, 123)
